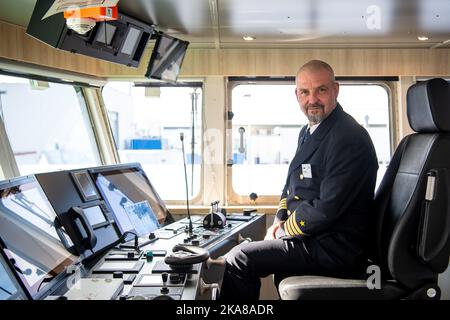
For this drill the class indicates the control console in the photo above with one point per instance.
(202, 237)
(162, 286)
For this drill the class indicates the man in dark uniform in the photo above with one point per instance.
(322, 223)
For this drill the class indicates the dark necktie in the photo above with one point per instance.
(306, 136)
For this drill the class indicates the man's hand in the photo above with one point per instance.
(270, 234)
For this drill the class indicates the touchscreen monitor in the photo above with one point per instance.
(131, 198)
(30, 236)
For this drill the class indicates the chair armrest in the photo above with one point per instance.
(327, 288)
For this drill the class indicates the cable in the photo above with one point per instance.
(7, 292)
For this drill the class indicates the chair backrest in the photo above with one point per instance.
(412, 206)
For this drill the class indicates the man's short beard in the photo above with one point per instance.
(315, 119)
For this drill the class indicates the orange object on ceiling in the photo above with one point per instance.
(96, 13)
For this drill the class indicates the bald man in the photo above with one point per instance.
(322, 223)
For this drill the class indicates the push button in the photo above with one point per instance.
(149, 255)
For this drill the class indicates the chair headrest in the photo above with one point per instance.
(428, 106)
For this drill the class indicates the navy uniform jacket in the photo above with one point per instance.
(331, 203)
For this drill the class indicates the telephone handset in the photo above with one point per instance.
(185, 255)
(87, 238)
(64, 237)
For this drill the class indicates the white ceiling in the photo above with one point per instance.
(285, 23)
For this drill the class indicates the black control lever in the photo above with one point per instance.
(164, 289)
(215, 219)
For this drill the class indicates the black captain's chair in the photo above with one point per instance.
(411, 243)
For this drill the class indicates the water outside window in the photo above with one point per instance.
(270, 119)
(146, 124)
(47, 125)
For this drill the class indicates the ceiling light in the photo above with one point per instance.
(422, 38)
(248, 38)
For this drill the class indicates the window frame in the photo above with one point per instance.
(191, 83)
(232, 197)
(8, 163)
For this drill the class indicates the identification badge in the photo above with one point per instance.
(306, 170)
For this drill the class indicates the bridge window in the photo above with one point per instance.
(47, 125)
(268, 118)
(147, 123)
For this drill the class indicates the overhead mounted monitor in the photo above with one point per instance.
(32, 240)
(105, 33)
(167, 58)
(121, 41)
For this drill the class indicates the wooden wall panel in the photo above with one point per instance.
(346, 62)
(16, 45)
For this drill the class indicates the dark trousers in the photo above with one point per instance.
(326, 255)
(248, 262)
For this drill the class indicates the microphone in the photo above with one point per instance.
(186, 182)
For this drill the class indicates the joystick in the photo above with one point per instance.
(164, 289)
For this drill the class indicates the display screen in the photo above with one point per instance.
(167, 58)
(149, 280)
(85, 185)
(122, 265)
(132, 199)
(131, 41)
(9, 288)
(105, 33)
(142, 217)
(29, 236)
(94, 215)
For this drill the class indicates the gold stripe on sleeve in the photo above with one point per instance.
(293, 223)
(282, 204)
(291, 228)
(288, 229)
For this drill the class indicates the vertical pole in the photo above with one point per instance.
(194, 98)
